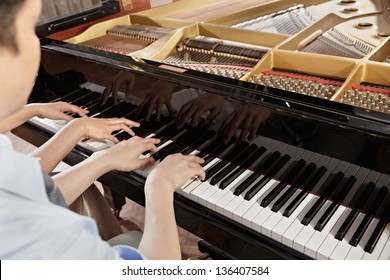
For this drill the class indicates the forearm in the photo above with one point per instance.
(74, 181)
(56, 148)
(160, 238)
(16, 119)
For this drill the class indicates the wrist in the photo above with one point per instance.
(33, 110)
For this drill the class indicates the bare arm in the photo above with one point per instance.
(55, 111)
(124, 157)
(160, 239)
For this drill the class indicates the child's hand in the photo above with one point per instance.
(102, 128)
(56, 110)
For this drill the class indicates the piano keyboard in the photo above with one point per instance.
(322, 207)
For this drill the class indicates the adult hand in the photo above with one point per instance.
(247, 118)
(197, 107)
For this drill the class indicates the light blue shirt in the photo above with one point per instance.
(32, 227)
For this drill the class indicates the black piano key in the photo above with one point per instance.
(119, 110)
(234, 152)
(177, 145)
(321, 223)
(74, 95)
(169, 133)
(270, 173)
(279, 187)
(321, 200)
(154, 125)
(369, 216)
(199, 142)
(86, 99)
(295, 184)
(183, 142)
(229, 179)
(359, 202)
(301, 196)
(213, 148)
(380, 227)
(272, 158)
(218, 150)
(240, 158)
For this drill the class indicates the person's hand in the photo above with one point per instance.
(126, 155)
(121, 79)
(102, 128)
(56, 110)
(174, 171)
(247, 118)
(197, 107)
(160, 94)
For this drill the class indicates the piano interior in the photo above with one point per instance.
(288, 103)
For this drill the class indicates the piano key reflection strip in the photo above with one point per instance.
(334, 42)
(370, 97)
(300, 83)
(288, 21)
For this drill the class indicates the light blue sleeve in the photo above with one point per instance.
(128, 253)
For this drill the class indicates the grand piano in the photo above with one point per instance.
(295, 133)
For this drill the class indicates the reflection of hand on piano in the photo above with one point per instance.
(197, 107)
(247, 118)
(159, 94)
(114, 86)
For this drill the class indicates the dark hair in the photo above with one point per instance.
(8, 11)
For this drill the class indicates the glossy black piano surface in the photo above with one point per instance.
(311, 182)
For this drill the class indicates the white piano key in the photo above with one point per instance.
(385, 255)
(203, 198)
(318, 237)
(200, 189)
(240, 211)
(275, 217)
(279, 230)
(262, 216)
(356, 253)
(237, 200)
(227, 198)
(296, 226)
(186, 191)
(343, 247)
(195, 193)
(307, 231)
(213, 199)
(330, 241)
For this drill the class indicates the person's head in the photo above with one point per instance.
(19, 52)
